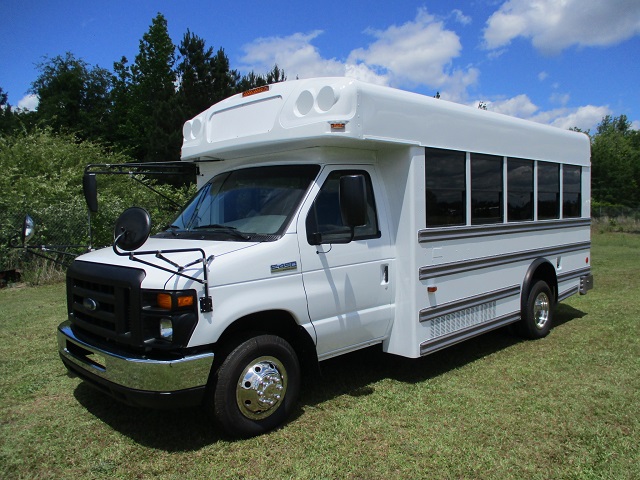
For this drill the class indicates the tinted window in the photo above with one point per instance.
(572, 199)
(445, 187)
(548, 190)
(325, 218)
(520, 190)
(486, 189)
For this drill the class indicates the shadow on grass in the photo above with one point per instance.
(176, 430)
(351, 374)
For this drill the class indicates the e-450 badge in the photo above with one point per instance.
(284, 267)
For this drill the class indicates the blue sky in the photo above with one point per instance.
(560, 62)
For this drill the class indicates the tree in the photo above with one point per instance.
(6, 115)
(253, 80)
(275, 75)
(225, 79)
(205, 78)
(615, 159)
(73, 96)
(151, 128)
(195, 75)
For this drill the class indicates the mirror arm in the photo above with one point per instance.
(206, 303)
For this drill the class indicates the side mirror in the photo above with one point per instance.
(90, 189)
(353, 200)
(132, 229)
(28, 229)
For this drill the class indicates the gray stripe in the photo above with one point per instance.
(474, 231)
(568, 293)
(563, 277)
(431, 346)
(496, 260)
(430, 313)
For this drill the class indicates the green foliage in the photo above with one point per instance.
(615, 157)
(150, 125)
(42, 177)
(204, 78)
(74, 97)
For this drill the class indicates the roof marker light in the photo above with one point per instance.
(255, 91)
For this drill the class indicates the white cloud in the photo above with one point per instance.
(416, 53)
(518, 106)
(585, 117)
(554, 25)
(295, 54)
(542, 76)
(28, 102)
(461, 17)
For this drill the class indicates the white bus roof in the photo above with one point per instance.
(346, 112)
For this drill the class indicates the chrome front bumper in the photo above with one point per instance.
(130, 372)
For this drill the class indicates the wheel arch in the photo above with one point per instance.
(275, 322)
(540, 269)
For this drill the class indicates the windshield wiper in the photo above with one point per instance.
(172, 229)
(223, 229)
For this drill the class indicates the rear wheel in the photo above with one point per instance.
(255, 388)
(537, 312)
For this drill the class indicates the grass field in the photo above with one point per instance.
(567, 406)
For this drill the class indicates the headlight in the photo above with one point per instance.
(169, 317)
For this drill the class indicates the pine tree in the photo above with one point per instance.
(152, 126)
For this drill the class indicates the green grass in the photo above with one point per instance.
(567, 406)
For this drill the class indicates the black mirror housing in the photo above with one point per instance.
(353, 200)
(90, 190)
(132, 229)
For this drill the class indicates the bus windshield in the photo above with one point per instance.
(250, 204)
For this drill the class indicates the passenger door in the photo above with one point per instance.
(348, 285)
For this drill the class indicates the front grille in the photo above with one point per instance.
(104, 301)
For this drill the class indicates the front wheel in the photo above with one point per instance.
(255, 388)
(537, 312)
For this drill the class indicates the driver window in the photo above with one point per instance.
(325, 218)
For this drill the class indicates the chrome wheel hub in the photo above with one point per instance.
(261, 388)
(541, 309)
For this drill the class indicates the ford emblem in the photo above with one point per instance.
(90, 304)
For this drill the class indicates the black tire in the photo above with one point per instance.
(256, 387)
(537, 312)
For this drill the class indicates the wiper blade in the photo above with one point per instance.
(172, 229)
(223, 229)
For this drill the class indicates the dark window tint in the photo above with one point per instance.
(572, 199)
(520, 190)
(325, 219)
(548, 190)
(486, 189)
(445, 187)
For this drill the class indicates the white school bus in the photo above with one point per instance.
(331, 215)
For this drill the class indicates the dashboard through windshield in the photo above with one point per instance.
(249, 204)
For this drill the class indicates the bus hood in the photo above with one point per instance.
(155, 250)
(228, 262)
